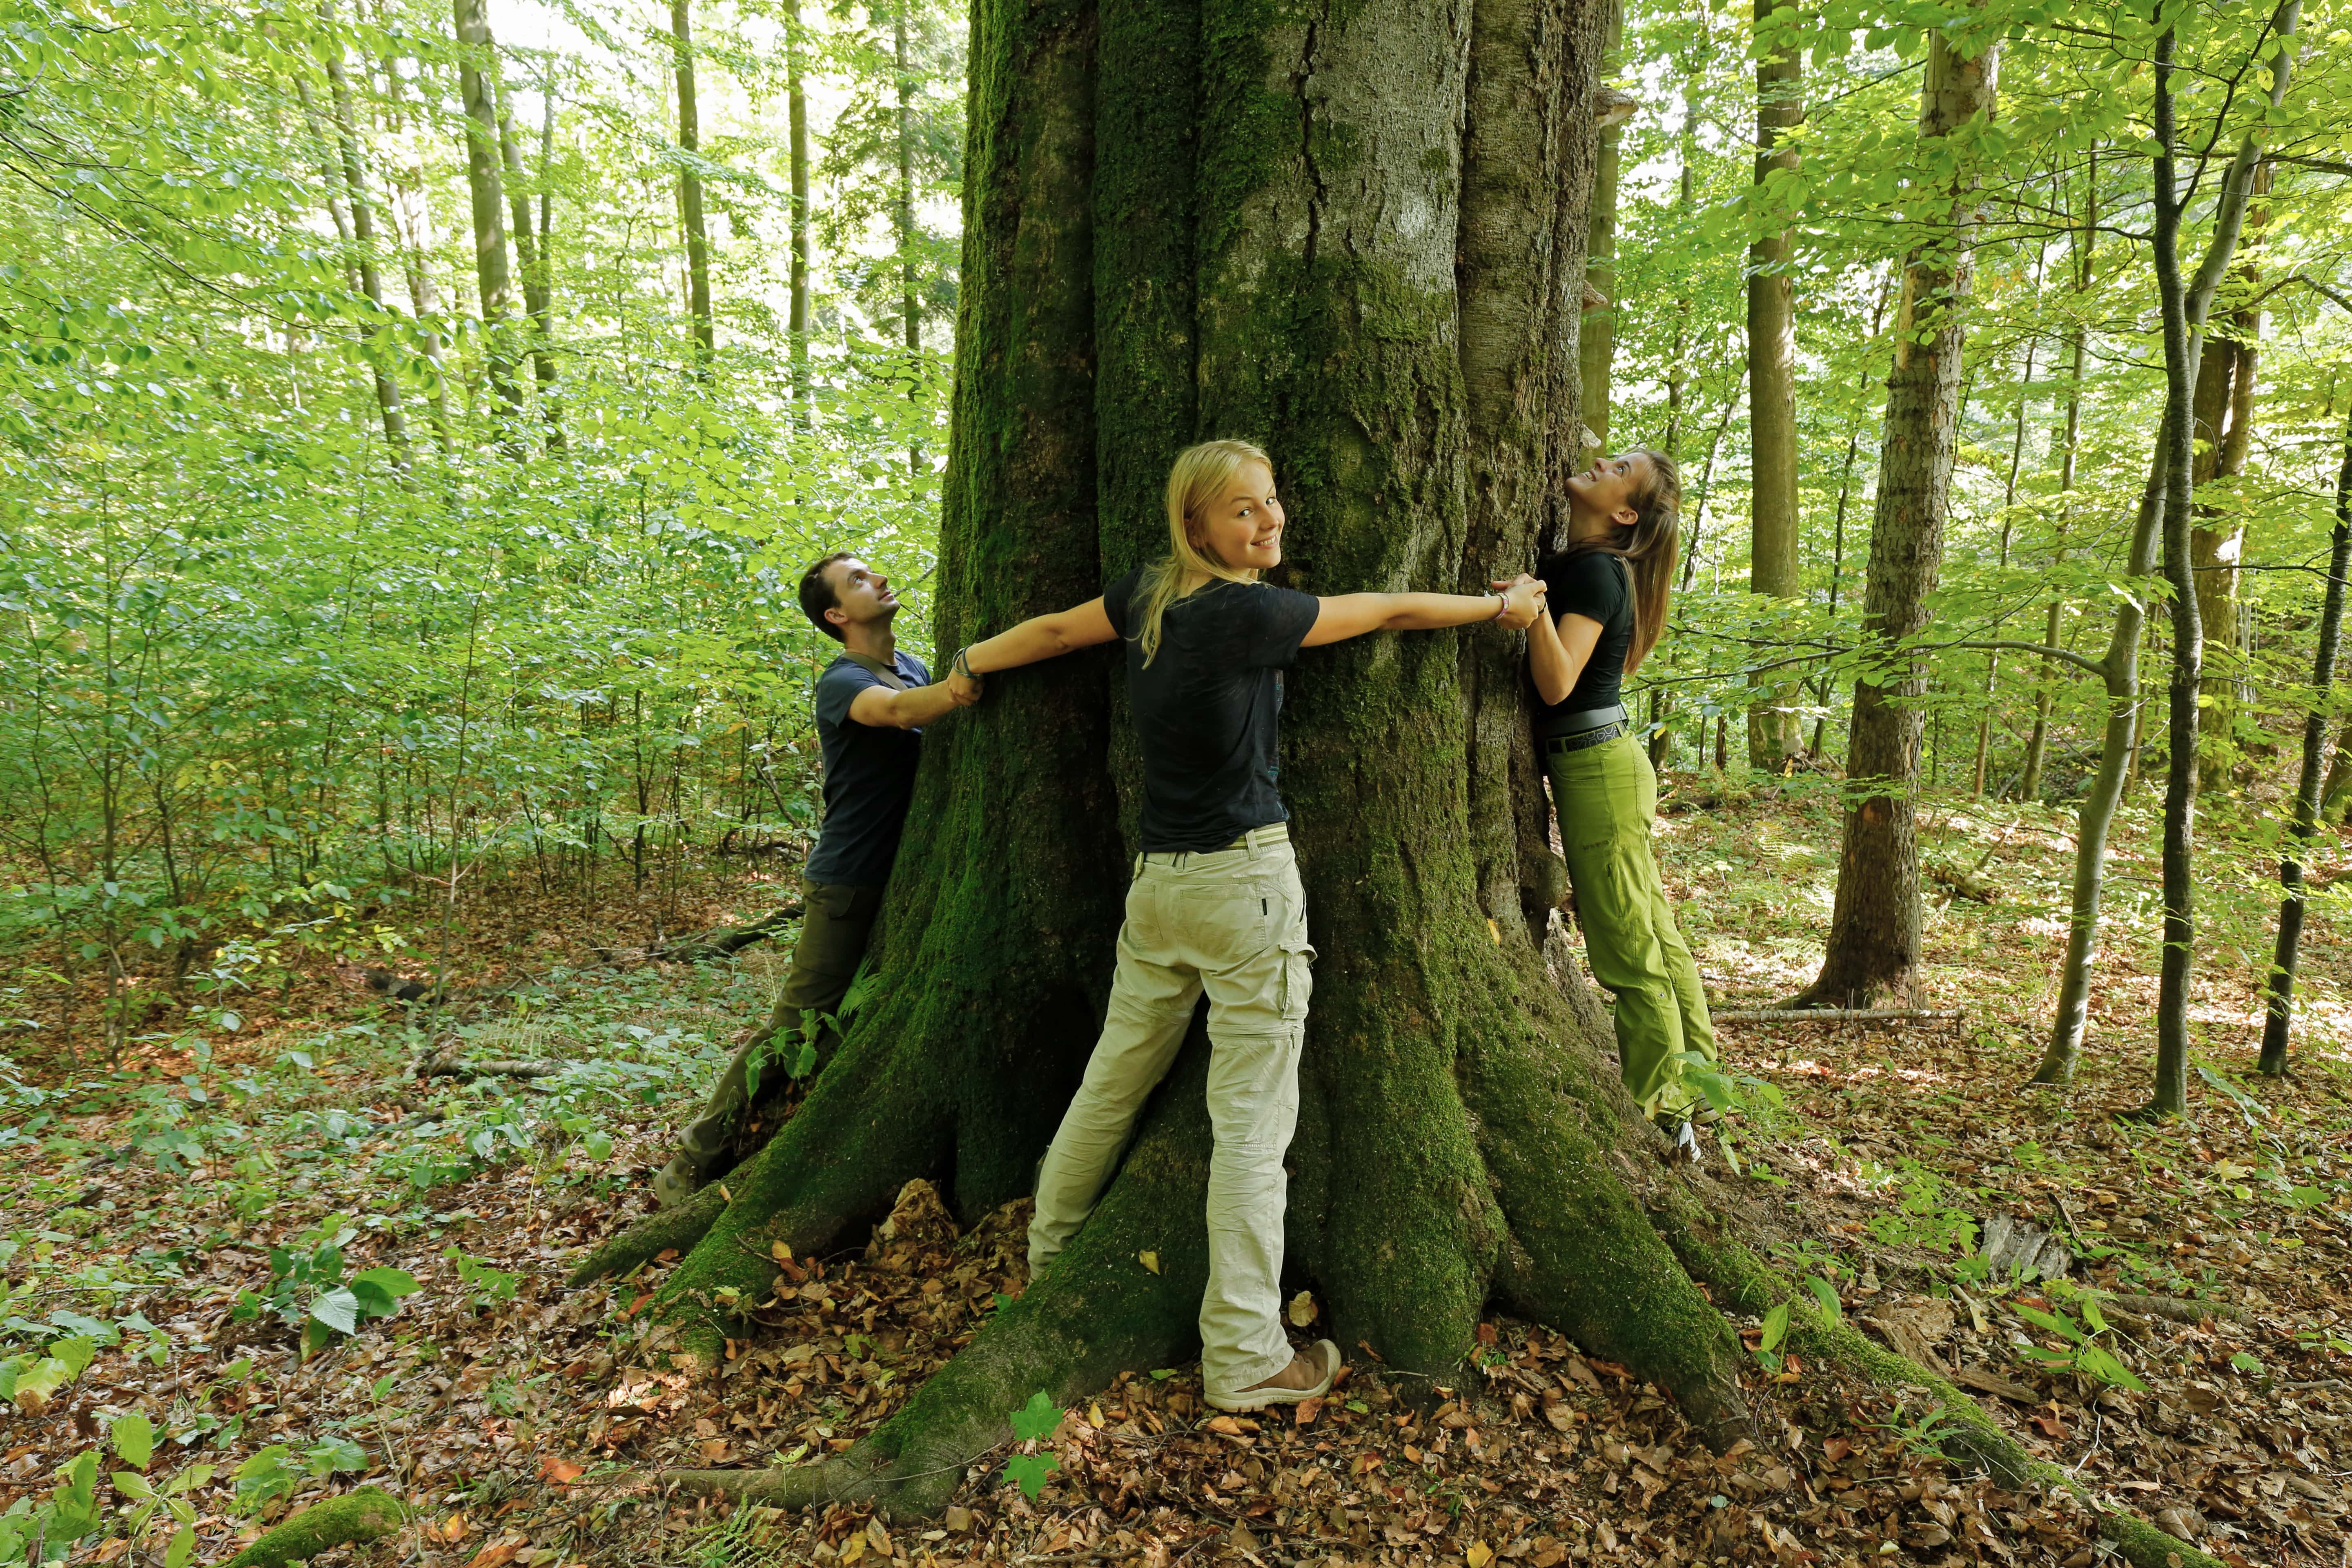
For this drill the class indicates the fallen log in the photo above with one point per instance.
(1833, 1015)
(367, 1514)
(723, 942)
(513, 1068)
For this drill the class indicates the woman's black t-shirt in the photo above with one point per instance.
(1207, 710)
(1595, 584)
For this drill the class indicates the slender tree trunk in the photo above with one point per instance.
(1686, 201)
(689, 188)
(413, 224)
(2120, 753)
(2171, 1092)
(530, 253)
(2083, 238)
(2278, 989)
(796, 108)
(911, 314)
(1597, 334)
(387, 391)
(1773, 567)
(2184, 303)
(1875, 926)
(2008, 527)
(492, 276)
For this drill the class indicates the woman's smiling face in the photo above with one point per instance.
(1606, 490)
(1243, 527)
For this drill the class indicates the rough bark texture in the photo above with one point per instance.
(492, 277)
(1597, 332)
(1874, 945)
(1773, 566)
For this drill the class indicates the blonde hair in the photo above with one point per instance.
(1199, 478)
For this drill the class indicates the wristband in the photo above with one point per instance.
(1502, 603)
(957, 666)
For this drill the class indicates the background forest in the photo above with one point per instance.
(415, 421)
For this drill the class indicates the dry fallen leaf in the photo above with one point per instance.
(560, 1471)
(451, 1530)
(1150, 1260)
(1302, 1309)
(1479, 1554)
(497, 1553)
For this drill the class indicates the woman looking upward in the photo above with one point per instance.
(1216, 903)
(1608, 592)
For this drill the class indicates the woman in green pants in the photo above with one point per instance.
(1608, 592)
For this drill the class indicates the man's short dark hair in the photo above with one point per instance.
(817, 595)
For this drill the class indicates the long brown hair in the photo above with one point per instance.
(1649, 548)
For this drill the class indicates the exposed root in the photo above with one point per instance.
(1754, 1286)
(678, 1227)
(357, 1517)
(1585, 1260)
(1098, 1312)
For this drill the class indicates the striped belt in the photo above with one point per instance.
(1583, 741)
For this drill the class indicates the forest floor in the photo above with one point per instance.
(173, 1224)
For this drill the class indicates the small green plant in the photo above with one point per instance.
(1768, 1347)
(485, 1286)
(279, 1471)
(2083, 1353)
(307, 1287)
(1926, 1433)
(1726, 1092)
(1032, 1422)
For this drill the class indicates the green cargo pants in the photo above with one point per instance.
(834, 923)
(1607, 797)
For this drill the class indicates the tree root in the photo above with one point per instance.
(1754, 1286)
(356, 1517)
(657, 1232)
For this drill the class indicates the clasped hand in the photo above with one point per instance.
(964, 688)
(1523, 599)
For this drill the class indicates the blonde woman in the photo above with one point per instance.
(1216, 903)
(1608, 592)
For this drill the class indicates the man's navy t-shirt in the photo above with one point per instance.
(869, 777)
(1207, 709)
(1595, 584)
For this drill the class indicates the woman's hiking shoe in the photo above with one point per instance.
(675, 1182)
(1258, 1398)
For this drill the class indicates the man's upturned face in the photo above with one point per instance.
(861, 596)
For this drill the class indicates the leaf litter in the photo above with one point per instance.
(2190, 1363)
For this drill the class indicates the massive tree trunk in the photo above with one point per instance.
(1773, 569)
(690, 186)
(493, 277)
(1874, 945)
(1367, 257)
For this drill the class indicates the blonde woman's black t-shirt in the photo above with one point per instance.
(1208, 706)
(1595, 584)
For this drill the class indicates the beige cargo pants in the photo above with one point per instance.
(1232, 922)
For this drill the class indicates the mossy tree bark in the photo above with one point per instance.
(1355, 233)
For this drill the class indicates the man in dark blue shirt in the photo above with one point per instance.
(871, 705)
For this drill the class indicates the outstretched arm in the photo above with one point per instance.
(1041, 637)
(1352, 614)
(917, 706)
